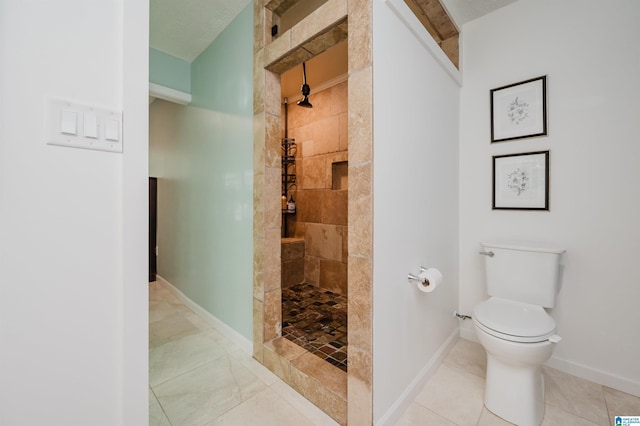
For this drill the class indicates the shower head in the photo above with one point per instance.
(306, 90)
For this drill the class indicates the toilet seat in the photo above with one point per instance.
(514, 321)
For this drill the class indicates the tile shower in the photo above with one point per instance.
(314, 254)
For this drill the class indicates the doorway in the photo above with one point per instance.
(325, 27)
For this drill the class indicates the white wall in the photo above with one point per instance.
(590, 54)
(416, 108)
(72, 326)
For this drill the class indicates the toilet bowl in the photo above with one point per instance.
(515, 329)
(518, 338)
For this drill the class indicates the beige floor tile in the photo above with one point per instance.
(262, 372)
(417, 415)
(182, 355)
(303, 405)
(454, 394)
(575, 395)
(157, 292)
(620, 403)
(170, 328)
(468, 356)
(156, 415)
(201, 395)
(264, 409)
(487, 418)
(554, 416)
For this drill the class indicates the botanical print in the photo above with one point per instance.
(518, 181)
(521, 181)
(518, 111)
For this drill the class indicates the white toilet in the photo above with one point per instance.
(515, 330)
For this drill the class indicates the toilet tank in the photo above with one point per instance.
(525, 272)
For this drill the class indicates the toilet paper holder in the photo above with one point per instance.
(414, 278)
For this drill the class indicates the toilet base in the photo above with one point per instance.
(515, 393)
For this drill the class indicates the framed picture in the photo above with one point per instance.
(519, 110)
(521, 181)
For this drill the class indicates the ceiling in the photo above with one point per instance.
(185, 28)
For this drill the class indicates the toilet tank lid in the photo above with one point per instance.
(524, 246)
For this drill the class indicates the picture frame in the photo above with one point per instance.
(519, 110)
(521, 181)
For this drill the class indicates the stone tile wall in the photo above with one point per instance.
(321, 218)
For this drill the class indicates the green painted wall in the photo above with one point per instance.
(203, 157)
(169, 71)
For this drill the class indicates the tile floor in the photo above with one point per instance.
(199, 377)
(316, 320)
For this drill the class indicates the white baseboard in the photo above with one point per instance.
(467, 332)
(245, 344)
(601, 377)
(394, 413)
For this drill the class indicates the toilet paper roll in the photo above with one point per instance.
(430, 280)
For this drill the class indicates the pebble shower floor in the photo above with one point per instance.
(316, 320)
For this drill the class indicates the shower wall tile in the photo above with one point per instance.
(272, 98)
(333, 276)
(321, 104)
(322, 384)
(278, 48)
(343, 131)
(326, 135)
(272, 313)
(324, 241)
(258, 330)
(360, 324)
(360, 116)
(259, 133)
(315, 173)
(273, 141)
(292, 272)
(259, 25)
(292, 249)
(292, 261)
(326, 15)
(273, 198)
(258, 84)
(312, 270)
(360, 387)
(360, 34)
(309, 206)
(258, 265)
(301, 133)
(272, 273)
(339, 94)
(333, 378)
(360, 209)
(335, 207)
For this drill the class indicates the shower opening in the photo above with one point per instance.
(314, 247)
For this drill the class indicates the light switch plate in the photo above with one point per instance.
(79, 125)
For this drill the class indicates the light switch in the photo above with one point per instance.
(90, 125)
(112, 130)
(69, 122)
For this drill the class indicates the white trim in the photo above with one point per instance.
(401, 405)
(598, 376)
(415, 26)
(467, 331)
(245, 344)
(169, 94)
